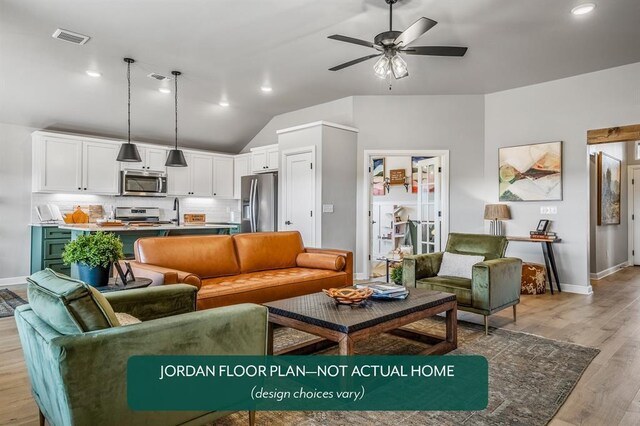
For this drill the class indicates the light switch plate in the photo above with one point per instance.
(549, 210)
(327, 208)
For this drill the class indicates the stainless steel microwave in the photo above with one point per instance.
(143, 184)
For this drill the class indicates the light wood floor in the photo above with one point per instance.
(607, 394)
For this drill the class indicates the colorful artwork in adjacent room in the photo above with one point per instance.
(531, 172)
(609, 177)
(378, 176)
(414, 172)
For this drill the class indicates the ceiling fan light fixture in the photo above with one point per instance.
(399, 67)
(381, 67)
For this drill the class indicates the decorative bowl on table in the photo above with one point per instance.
(349, 296)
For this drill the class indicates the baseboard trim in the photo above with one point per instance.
(573, 288)
(6, 282)
(609, 271)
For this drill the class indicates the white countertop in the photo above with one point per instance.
(163, 227)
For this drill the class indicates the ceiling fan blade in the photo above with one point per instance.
(351, 40)
(355, 61)
(435, 50)
(416, 29)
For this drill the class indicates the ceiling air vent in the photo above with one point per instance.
(70, 36)
(158, 77)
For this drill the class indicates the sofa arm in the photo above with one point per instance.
(420, 266)
(154, 302)
(496, 283)
(94, 365)
(160, 275)
(348, 257)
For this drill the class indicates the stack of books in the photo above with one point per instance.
(542, 235)
(386, 291)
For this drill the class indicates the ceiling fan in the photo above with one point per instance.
(390, 44)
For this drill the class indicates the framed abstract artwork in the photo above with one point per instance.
(378, 176)
(609, 177)
(531, 172)
(414, 172)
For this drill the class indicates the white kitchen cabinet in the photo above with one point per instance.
(241, 167)
(223, 176)
(153, 160)
(265, 158)
(100, 172)
(74, 165)
(195, 180)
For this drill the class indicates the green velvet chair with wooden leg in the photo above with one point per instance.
(492, 285)
(76, 345)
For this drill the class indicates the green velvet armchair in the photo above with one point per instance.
(81, 378)
(495, 283)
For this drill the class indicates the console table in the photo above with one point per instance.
(547, 253)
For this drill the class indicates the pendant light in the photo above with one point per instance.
(129, 151)
(176, 156)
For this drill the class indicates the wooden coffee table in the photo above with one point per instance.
(319, 315)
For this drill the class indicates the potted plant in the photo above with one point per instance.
(396, 275)
(93, 254)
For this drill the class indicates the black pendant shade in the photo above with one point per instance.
(176, 159)
(129, 151)
(176, 156)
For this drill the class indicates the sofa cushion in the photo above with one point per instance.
(263, 251)
(489, 246)
(265, 286)
(461, 287)
(332, 262)
(458, 265)
(69, 306)
(203, 255)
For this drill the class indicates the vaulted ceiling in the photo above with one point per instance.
(228, 49)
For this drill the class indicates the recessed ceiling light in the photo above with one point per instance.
(223, 104)
(91, 73)
(164, 90)
(266, 89)
(583, 9)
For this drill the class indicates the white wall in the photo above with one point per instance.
(454, 123)
(559, 110)
(15, 200)
(338, 111)
(397, 193)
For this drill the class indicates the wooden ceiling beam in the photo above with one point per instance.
(614, 134)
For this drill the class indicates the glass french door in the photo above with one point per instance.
(429, 206)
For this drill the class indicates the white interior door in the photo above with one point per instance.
(299, 195)
(429, 206)
(636, 216)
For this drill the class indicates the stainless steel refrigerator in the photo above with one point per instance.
(259, 195)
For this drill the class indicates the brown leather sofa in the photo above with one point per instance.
(244, 268)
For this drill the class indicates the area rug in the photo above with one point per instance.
(8, 302)
(530, 377)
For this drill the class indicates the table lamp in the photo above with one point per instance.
(496, 213)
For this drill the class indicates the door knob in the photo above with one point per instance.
(288, 223)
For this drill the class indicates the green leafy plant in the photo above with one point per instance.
(98, 249)
(396, 275)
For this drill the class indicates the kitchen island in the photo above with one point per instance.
(48, 240)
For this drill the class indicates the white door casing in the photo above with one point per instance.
(299, 190)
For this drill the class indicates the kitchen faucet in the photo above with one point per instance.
(176, 208)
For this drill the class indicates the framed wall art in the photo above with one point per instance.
(531, 172)
(609, 177)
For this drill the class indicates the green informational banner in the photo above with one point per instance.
(324, 382)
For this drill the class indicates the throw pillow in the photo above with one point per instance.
(332, 262)
(458, 265)
(126, 319)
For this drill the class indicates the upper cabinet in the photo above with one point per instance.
(153, 160)
(223, 176)
(74, 165)
(195, 180)
(241, 167)
(265, 158)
